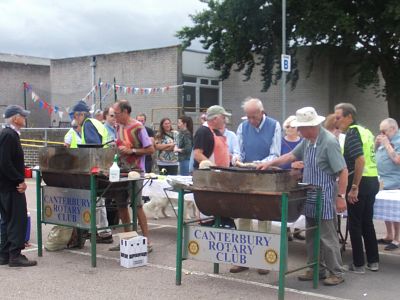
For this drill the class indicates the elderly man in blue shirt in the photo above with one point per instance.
(259, 140)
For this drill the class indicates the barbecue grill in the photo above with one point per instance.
(248, 193)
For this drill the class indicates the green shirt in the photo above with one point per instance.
(328, 154)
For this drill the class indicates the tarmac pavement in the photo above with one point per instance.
(68, 274)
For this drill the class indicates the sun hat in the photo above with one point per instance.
(307, 116)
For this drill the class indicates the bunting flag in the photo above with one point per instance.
(45, 105)
(126, 89)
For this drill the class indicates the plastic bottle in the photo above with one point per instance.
(114, 170)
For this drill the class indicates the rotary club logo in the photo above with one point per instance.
(193, 247)
(271, 256)
(86, 217)
(48, 211)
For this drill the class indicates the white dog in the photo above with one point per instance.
(156, 207)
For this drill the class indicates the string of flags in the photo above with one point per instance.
(125, 89)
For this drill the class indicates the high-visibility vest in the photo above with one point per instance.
(101, 129)
(367, 139)
(74, 142)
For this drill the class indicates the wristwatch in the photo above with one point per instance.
(343, 196)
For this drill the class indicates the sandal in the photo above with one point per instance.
(149, 248)
(384, 242)
(391, 247)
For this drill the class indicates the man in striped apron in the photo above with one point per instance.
(323, 164)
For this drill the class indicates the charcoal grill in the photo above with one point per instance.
(248, 193)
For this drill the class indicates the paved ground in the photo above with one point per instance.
(67, 274)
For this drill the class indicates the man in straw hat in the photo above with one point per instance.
(323, 164)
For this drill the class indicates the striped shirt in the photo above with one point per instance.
(352, 148)
(314, 175)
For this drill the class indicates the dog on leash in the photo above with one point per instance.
(156, 208)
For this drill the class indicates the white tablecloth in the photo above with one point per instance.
(155, 187)
(387, 205)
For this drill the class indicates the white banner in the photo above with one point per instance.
(241, 248)
(66, 206)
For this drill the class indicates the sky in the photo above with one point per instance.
(69, 28)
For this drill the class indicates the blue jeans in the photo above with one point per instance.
(184, 167)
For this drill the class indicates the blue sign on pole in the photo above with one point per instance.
(285, 63)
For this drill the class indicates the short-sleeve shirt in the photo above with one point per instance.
(389, 172)
(204, 140)
(135, 136)
(328, 154)
(353, 148)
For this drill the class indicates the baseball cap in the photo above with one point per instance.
(13, 110)
(81, 106)
(216, 110)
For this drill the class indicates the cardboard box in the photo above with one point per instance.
(133, 252)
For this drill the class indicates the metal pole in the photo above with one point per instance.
(115, 91)
(93, 230)
(316, 239)
(217, 224)
(39, 212)
(134, 199)
(24, 85)
(283, 79)
(283, 247)
(100, 94)
(179, 242)
(93, 66)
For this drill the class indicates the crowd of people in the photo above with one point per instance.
(335, 153)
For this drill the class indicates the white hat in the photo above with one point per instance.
(306, 116)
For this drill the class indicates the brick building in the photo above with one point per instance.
(63, 81)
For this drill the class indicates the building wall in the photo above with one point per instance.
(71, 79)
(12, 75)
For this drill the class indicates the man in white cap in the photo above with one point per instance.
(323, 164)
(13, 211)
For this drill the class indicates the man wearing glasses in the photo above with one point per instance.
(93, 132)
(13, 211)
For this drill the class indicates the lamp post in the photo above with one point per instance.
(283, 77)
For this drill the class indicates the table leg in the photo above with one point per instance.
(39, 211)
(93, 229)
(316, 238)
(217, 223)
(179, 240)
(283, 248)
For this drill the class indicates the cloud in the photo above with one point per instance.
(57, 29)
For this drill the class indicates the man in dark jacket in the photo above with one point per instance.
(13, 209)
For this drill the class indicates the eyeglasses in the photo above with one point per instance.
(384, 131)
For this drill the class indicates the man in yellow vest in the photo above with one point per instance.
(93, 132)
(73, 137)
(362, 187)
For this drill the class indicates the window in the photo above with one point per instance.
(199, 93)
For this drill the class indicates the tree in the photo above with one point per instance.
(245, 33)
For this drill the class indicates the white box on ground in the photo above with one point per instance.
(133, 250)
